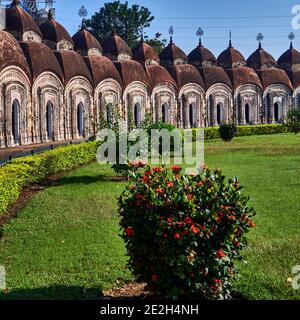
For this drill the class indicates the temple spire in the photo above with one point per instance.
(291, 38)
(260, 38)
(83, 13)
(200, 34)
(230, 41)
(171, 32)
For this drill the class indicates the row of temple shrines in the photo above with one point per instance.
(56, 87)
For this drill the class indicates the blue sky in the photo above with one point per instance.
(217, 17)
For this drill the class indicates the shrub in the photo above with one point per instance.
(293, 121)
(183, 233)
(25, 171)
(227, 131)
(264, 129)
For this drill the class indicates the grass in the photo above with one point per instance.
(65, 243)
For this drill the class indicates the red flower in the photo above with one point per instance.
(218, 282)
(142, 164)
(157, 169)
(177, 236)
(130, 232)
(146, 179)
(251, 224)
(176, 169)
(159, 190)
(155, 278)
(170, 220)
(214, 288)
(221, 254)
(237, 244)
(147, 173)
(170, 184)
(188, 220)
(190, 197)
(195, 230)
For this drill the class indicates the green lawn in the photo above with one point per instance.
(65, 243)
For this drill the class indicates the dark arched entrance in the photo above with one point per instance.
(165, 113)
(219, 113)
(80, 119)
(137, 114)
(276, 112)
(49, 121)
(192, 116)
(16, 121)
(247, 113)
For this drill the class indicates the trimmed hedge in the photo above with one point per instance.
(22, 172)
(214, 133)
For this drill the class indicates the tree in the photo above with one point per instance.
(157, 43)
(293, 121)
(127, 22)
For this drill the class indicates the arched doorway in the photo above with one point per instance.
(247, 113)
(49, 121)
(276, 112)
(109, 113)
(165, 113)
(16, 121)
(192, 117)
(219, 113)
(80, 119)
(137, 114)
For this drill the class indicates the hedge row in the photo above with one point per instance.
(213, 132)
(25, 171)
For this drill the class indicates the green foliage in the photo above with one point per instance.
(293, 121)
(157, 43)
(183, 234)
(264, 129)
(25, 171)
(227, 131)
(124, 20)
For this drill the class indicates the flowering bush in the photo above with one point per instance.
(183, 233)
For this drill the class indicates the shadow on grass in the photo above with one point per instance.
(87, 180)
(53, 293)
(79, 293)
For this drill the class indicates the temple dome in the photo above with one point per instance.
(214, 75)
(55, 35)
(159, 75)
(73, 65)
(115, 48)
(290, 60)
(145, 54)
(41, 59)
(231, 58)
(172, 55)
(11, 53)
(261, 59)
(273, 76)
(131, 71)
(102, 68)
(243, 76)
(186, 74)
(21, 25)
(86, 44)
(202, 57)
